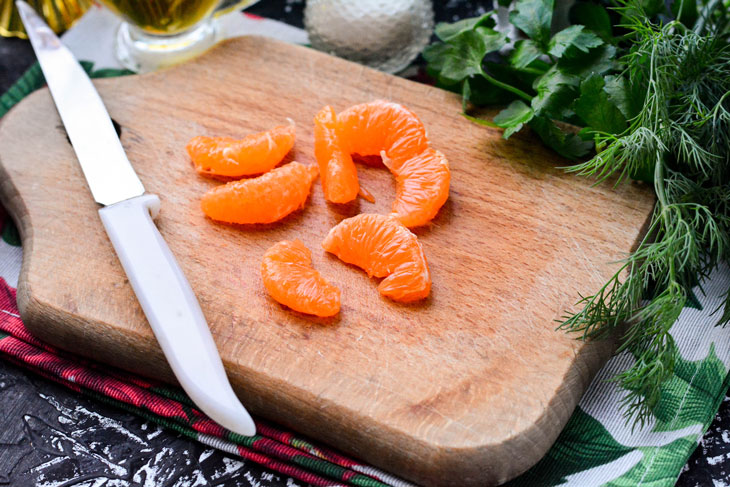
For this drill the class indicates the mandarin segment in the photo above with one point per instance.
(338, 172)
(289, 278)
(369, 128)
(422, 186)
(265, 199)
(233, 158)
(383, 247)
(398, 136)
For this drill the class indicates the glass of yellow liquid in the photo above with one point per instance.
(158, 33)
(59, 15)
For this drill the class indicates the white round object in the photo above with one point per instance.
(383, 34)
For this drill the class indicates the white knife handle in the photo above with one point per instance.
(172, 310)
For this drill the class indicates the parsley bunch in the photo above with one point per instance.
(651, 91)
(550, 77)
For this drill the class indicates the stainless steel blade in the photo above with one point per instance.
(110, 176)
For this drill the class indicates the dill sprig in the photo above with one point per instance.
(679, 140)
(660, 113)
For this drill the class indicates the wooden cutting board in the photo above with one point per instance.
(470, 387)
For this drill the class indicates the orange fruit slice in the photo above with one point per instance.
(232, 158)
(290, 279)
(422, 186)
(338, 172)
(398, 136)
(265, 199)
(383, 247)
(382, 125)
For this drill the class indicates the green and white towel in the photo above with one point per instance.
(597, 447)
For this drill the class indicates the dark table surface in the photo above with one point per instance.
(51, 436)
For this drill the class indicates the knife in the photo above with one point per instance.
(163, 291)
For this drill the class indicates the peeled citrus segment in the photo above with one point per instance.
(265, 199)
(383, 247)
(254, 154)
(290, 279)
(422, 186)
(339, 175)
(380, 125)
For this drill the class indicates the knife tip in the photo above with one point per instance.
(235, 418)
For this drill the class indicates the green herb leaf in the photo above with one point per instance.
(640, 10)
(524, 54)
(533, 17)
(447, 32)
(509, 131)
(436, 55)
(573, 36)
(462, 56)
(480, 121)
(595, 18)
(599, 60)
(513, 117)
(465, 95)
(516, 112)
(556, 90)
(518, 78)
(596, 109)
(685, 11)
(652, 7)
(566, 144)
(622, 95)
(481, 92)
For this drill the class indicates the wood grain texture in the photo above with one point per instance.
(470, 387)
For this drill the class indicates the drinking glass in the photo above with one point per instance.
(157, 33)
(59, 15)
